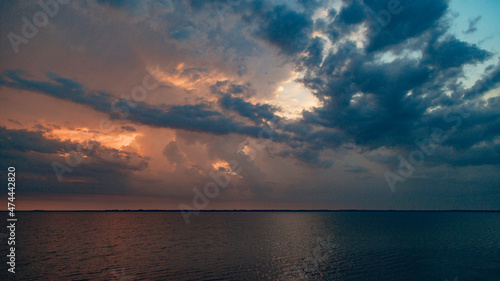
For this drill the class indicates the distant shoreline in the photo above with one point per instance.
(250, 211)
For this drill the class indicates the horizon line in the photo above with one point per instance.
(253, 210)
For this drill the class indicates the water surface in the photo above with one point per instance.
(257, 246)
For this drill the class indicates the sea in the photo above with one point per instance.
(259, 245)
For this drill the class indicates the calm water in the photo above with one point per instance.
(256, 246)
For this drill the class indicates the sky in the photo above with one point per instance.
(200, 105)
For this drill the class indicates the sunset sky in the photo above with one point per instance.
(261, 104)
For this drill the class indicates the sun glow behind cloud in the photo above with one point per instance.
(188, 78)
(220, 164)
(80, 135)
(292, 97)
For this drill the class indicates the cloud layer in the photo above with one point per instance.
(387, 79)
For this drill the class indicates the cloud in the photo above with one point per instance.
(197, 117)
(102, 170)
(365, 100)
(386, 103)
(352, 13)
(174, 154)
(14, 121)
(313, 55)
(383, 84)
(128, 128)
(226, 87)
(489, 80)
(415, 18)
(285, 28)
(450, 52)
(259, 113)
(182, 33)
(306, 155)
(23, 141)
(472, 25)
(138, 9)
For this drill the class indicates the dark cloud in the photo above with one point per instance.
(472, 25)
(174, 154)
(23, 141)
(451, 52)
(313, 56)
(128, 128)
(375, 103)
(352, 13)
(14, 121)
(283, 27)
(182, 33)
(413, 20)
(194, 73)
(259, 113)
(226, 87)
(388, 23)
(311, 6)
(306, 155)
(490, 80)
(118, 3)
(386, 93)
(102, 170)
(356, 169)
(187, 117)
(43, 128)
(58, 87)
(196, 118)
